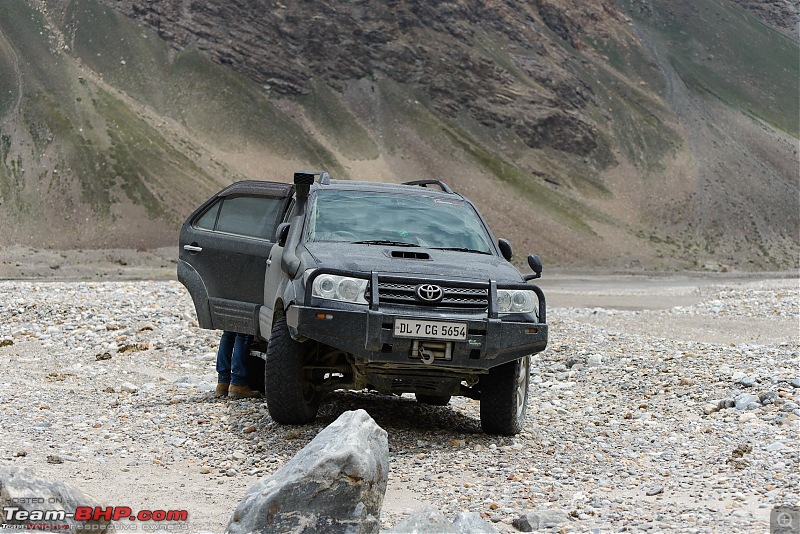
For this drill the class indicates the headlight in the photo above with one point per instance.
(333, 287)
(516, 301)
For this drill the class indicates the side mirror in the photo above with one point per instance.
(535, 263)
(505, 248)
(281, 234)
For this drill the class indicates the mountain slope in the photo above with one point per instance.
(615, 134)
(109, 137)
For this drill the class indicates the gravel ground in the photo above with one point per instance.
(634, 424)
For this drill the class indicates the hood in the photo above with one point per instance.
(412, 261)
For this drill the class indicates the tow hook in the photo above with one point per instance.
(427, 356)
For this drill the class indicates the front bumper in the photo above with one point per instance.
(368, 332)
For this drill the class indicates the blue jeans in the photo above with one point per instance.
(233, 349)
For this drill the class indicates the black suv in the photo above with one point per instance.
(354, 285)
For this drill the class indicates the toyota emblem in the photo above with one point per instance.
(429, 293)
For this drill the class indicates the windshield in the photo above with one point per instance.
(376, 217)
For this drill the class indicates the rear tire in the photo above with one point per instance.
(433, 400)
(291, 396)
(504, 397)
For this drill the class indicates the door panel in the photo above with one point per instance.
(227, 242)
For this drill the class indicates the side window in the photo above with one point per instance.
(247, 216)
(207, 220)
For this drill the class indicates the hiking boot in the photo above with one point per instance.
(236, 391)
(222, 389)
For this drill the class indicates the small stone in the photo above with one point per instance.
(794, 382)
(103, 356)
(746, 417)
(204, 470)
(540, 519)
(595, 360)
(710, 408)
(6, 342)
(768, 397)
(134, 347)
(747, 401)
(250, 429)
(742, 449)
(655, 490)
(128, 387)
(54, 459)
(429, 520)
(747, 381)
(789, 407)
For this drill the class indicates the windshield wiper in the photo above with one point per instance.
(462, 249)
(383, 242)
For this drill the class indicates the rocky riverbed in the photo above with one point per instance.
(650, 418)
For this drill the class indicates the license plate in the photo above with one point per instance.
(419, 329)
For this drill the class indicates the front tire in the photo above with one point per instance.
(291, 396)
(504, 397)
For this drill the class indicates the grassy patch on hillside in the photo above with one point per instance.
(416, 115)
(328, 113)
(721, 50)
(557, 206)
(212, 101)
(142, 163)
(635, 122)
(628, 59)
(25, 31)
(9, 92)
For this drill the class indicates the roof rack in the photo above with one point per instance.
(426, 183)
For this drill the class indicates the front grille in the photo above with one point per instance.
(454, 297)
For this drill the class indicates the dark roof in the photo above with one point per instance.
(257, 187)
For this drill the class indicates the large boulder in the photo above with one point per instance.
(335, 484)
(31, 502)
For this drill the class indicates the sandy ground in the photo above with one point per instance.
(664, 291)
(25, 263)
(599, 294)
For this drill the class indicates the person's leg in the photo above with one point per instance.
(226, 346)
(241, 351)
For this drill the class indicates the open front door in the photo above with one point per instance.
(224, 247)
